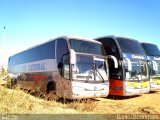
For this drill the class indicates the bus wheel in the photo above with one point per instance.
(51, 91)
(12, 83)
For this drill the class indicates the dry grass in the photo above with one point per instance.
(18, 102)
(15, 101)
(88, 105)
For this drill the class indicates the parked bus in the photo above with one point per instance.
(70, 67)
(153, 55)
(127, 66)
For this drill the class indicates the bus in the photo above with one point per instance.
(128, 68)
(70, 67)
(153, 55)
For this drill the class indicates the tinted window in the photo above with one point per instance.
(86, 47)
(130, 46)
(110, 46)
(62, 49)
(151, 49)
(45, 51)
(63, 58)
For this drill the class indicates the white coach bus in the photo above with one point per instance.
(72, 67)
(153, 55)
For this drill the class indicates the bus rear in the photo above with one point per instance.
(153, 55)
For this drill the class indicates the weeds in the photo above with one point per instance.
(82, 105)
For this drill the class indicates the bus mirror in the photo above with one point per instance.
(115, 61)
(129, 64)
(60, 65)
(155, 67)
(73, 56)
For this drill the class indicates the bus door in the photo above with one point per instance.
(62, 56)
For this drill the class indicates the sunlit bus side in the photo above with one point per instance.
(128, 66)
(70, 67)
(153, 55)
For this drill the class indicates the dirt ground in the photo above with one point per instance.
(142, 104)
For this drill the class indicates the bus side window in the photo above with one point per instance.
(63, 58)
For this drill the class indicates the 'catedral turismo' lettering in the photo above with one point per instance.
(35, 67)
(137, 57)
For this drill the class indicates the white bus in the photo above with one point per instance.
(72, 67)
(153, 55)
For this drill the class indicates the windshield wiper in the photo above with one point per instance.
(135, 77)
(95, 70)
(89, 73)
(99, 72)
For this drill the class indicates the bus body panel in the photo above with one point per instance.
(116, 87)
(127, 88)
(89, 90)
(135, 88)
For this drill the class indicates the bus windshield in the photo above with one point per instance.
(139, 70)
(89, 68)
(130, 46)
(151, 49)
(152, 71)
(81, 46)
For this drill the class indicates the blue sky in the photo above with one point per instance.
(29, 22)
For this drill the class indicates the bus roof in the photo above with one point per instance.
(117, 36)
(147, 43)
(66, 37)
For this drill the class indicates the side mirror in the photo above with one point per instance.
(60, 65)
(115, 61)
(73, 56)
(129, 64)
(155, 66)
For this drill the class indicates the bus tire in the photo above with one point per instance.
(51, 91)
(51, 87)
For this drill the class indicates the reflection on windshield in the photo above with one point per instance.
(130, 46)
(86, 47)
(139, 70)
(151, 69)
(89, 69)
(151, 49)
